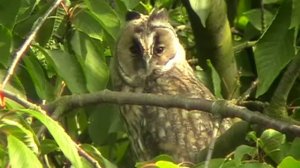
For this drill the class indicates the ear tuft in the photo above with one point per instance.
(132, 16)
(159, 14)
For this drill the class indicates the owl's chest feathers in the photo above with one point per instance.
(179, 80)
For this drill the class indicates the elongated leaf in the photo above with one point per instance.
(97, 155)
(92, 60)
(38, 76)
(294, 149)
(18, 128)
(69, 69)
(84, 21)
(202, 9)
(216, 81)
(254, 17)
(275, 49)
(130, 4)
(103, 117)
(243, 150)
(289, 162)
(8, 12)
(270, 141)
(14, 84)
(48, 145)
(295, 14)
(67, 146)
(105, 16)
(20, 156)
(5, 45)
(163, 164)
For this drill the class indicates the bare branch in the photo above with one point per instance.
(278, 103)
(228, 109)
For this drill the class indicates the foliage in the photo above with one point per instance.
(71, 55)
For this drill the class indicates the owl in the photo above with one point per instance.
(150, 59)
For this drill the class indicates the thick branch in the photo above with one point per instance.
(278, 104)
(228, 109)
(106, 96)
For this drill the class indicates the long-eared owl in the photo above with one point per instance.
(150, 59)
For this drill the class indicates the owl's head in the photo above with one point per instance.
(148, 45)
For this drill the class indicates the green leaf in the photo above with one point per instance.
(104, 119)
(20, 155)
(38, 76)
(29, 16)
(275, 49)
(17, 127)
(69, 69)
(86, 22)
(14, 85)
(106, 16)
(202, 8)
(272, 1)
(254, 17)
(255, 165)
(166, 164)
(4, 158)
(67, 146)
(243, 150)
(45, 33)
(48, 145)
(8, 12)
(216, 81)
(130, 4)
(76, 121)
(270, 141)
(164, 157)
(217, 163)
(92, 60)
(98, 156)
(294, 149)
(289, 162)
(5, 45)
(295, 14)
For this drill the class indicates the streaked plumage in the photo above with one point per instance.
(150, 59)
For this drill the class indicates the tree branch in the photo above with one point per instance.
(228, 109)
(278, 103)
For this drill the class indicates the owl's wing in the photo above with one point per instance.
(177, 132)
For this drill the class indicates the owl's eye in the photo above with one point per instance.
(134, 49)
(159, 50)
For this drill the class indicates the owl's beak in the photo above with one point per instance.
(146, 58)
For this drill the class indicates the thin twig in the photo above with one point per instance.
(21, 51)
(247, 93)
(88, 157)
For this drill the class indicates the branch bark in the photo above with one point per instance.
(227, 109)
(278, 103)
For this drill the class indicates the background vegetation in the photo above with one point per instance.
(251, 58)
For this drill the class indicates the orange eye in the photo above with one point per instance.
(159, 50)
